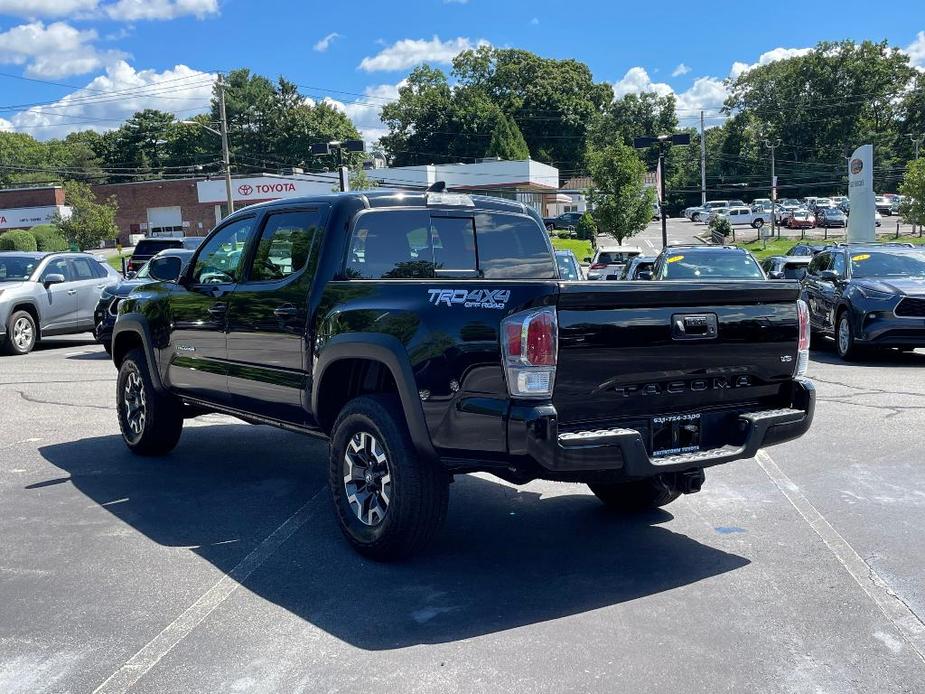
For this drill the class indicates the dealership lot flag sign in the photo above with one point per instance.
(861, 222)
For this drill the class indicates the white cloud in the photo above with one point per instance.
(768, 57)
(45, 8)
(111, 98)
(636, 81)
(455, 2)
(5, 126)
(916, 51)
(535, 21)
(55, 50)
(134, 10)
(410, 52)
(365, 112)
(324, 43)
(682, 69)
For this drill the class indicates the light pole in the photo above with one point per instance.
(663, 142)
(772, 145)
(338, 147)
(917, 139)
(222, 132)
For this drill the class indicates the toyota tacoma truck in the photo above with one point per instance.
(428, 334)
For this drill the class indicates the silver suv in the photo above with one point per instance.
(44, 294)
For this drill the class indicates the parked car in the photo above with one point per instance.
(743, 216)
(490, 364)
(785, 210)
(808, 249)
(161, 267)
(608, 261)
(639, 268)
(567, 220)
(867, 295)
(44, 294)
(147, 248)
(786, 267)
(700, 214)
(569, 269)
(828, 217)
(706, 263)
(820, 202)
(883, 205)
(801, 219)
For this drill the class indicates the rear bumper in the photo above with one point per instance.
(534, 431)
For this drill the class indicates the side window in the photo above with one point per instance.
(453, 240)
(82, 269)
(391, 245)
(57, 267)
(285, 244)
(512, 247)
(220, 260)
(98, 270)
(838, 264)
(819, 263)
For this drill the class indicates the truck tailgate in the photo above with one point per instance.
(631, 351)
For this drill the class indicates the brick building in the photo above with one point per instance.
(23, 208)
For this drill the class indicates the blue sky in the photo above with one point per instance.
(111, 57)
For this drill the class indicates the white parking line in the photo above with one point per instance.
(151, 653)
(649, 243)
(905, 620)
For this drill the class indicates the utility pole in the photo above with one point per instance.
(703, 164)
(663, 142)
(226, 155)
(772, 145)
(917, 139)
(661, 183)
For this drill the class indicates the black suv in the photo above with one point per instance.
(867, 295)
(147, 248)
(429, 334)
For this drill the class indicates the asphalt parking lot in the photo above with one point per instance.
(220, 568)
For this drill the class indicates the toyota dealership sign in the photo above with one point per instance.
(259, 188)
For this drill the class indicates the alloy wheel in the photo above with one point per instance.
(844, 335)
(22, 333)
(135, 404)
(367, 478)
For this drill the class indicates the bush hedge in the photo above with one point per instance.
(587, 227)
(49, 238)
(18, 240)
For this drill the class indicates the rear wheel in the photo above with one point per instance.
(21, 333)
(638, 495)
(758, 223)
(389, 502)
(151, 422)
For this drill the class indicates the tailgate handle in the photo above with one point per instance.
(693, 326)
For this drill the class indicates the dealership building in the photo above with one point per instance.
(192, 206)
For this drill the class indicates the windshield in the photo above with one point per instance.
(567, 267)
(615, 258)
(884, 264)
(16, 268)
(705, 265)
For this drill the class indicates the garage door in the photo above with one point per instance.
(165, 221)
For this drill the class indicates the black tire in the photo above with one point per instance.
(21, 333)
(107, 345)
(418, 490)
(758, 223)
(638, 495)
(151, 422)
(845, 345)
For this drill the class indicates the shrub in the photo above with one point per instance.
(17, 240)
(720, 225)
(49, 238)
(564, 234)
(587, 227)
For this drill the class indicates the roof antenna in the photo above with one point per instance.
(436, 187)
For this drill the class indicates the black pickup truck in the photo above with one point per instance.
(428, 334)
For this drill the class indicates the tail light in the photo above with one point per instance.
(598, 266)
(529, 343)
(803, 345)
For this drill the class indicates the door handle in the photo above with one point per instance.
(218, 309)
(71, 292)
(285, 311)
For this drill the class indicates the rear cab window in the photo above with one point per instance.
(423, 244)
(148, 247)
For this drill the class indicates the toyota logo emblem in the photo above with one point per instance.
(245, 189)
(856, 166)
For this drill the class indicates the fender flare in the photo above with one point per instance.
(17, 304)
(137, 324)
(387, 350)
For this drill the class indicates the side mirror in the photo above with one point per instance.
(776, 275)
(130, 275)
(644, 275)
(828, 275)
(166, 269)
(52, 279)
(587, 259)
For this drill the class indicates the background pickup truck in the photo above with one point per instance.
(428, 334)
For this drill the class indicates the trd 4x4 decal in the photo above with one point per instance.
(470, 298)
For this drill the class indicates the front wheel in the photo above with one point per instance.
(389, 502)
(151, 422)
(758, 223)
(638, 495)
(844, 337)
(21, 333)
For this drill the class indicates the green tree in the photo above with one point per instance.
(586, 229)
(507, 142)
(620, 203)
(913, 189)
(91, 222)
